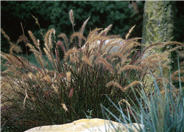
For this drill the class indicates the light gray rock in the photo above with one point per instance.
(89, 125)
(111, 45)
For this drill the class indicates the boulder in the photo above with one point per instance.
(89, 125)
(111, 45)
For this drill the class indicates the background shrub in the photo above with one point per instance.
(55, 15)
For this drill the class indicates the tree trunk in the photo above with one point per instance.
(158, 26)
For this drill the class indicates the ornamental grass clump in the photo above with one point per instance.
(158, 111)
(76, 76)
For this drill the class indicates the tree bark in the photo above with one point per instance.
(158, 22)
(158, 26)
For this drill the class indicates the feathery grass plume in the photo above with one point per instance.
(152, 61)
(124, 101)
(37, 23)
(16, 63)
(30, 75)
(14, 60)
(118, 55)
(70, 52)
(93, 34)
(35, 42)
(26, 96)
(49, 46)
(74, 59)
(129, 32)
(105, 31)
(64, 37)
(5, 35)
(37, 54)
(36, 20)
(93, 40)
(8, 39)
(84, 25)
(22, 37)
(94, 44)
(51, 31)
(50, 57)
(71, 92)
(176, 73)
(129, 108)
(64, 107)
(105, 63)
(162, 44)
(175, 49)
(68, 78)
(13, 47)
(46, 78)
(71, 16)
(56, 89)
(175, 77)
(40, 60)
(151, 46)
(79, 36)
(114, 84)
(86, 60)
(32, 48)
(134, 39)
(99, 48)
(161, 80)
(48, 38)
(129, 67)
(113, 36)
(58, 61)
(61, 45)
(96, 41)
(128, 47)
(134, 83)
(10, 58)
(124, 61)
(115, 55)
(173, 43)
(48, 54)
